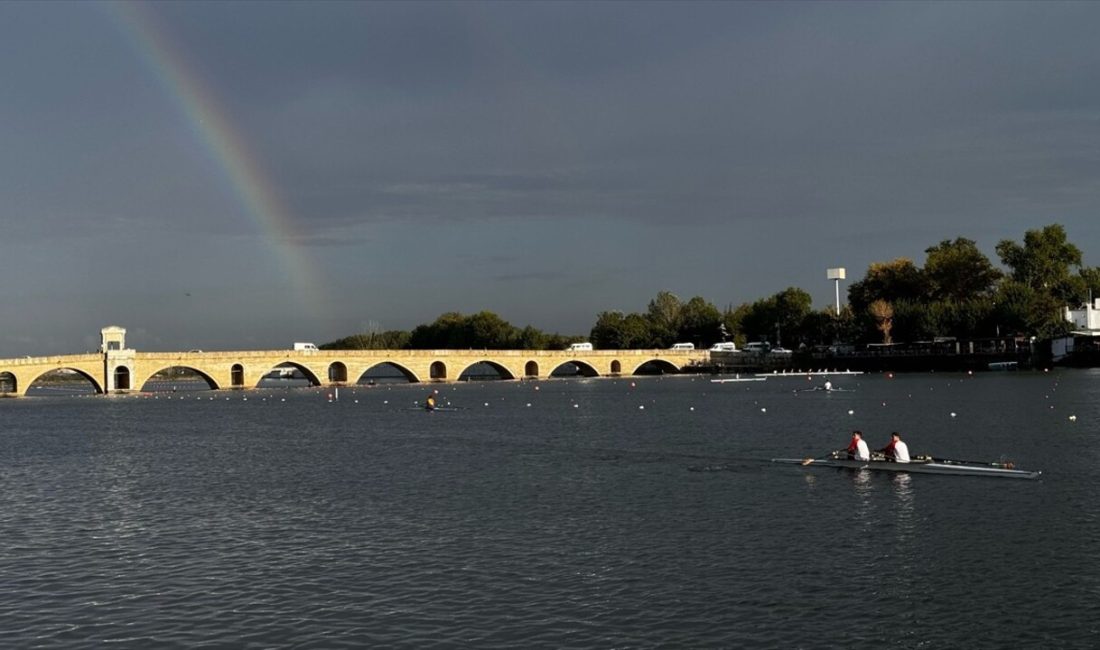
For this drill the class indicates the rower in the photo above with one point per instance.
(429, 403)
(897, 451)
(857, 448)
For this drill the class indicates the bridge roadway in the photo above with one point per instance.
(125, 370)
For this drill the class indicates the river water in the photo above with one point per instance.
(606, 513)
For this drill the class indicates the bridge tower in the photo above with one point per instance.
(118, 361)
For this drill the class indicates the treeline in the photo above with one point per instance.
(957, 292)
(455, 331)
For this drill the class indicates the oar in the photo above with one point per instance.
(810, 460)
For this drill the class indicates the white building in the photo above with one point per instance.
(1085, 320)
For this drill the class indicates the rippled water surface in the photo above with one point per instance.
(573, 513)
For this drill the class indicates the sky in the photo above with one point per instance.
(243, 175)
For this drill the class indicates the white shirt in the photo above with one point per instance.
(901, 452)
(863, 453)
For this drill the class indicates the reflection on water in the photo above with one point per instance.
(548, 513)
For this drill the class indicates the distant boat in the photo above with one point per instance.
(1004, 365)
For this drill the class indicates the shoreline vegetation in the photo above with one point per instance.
(957, 297)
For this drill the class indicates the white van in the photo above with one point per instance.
(724, 347)
(756, 347)
(579, 347)
(305, 347)
(682, 346)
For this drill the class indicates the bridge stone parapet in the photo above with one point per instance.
(123, 370)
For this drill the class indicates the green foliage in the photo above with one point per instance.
(1043, 264)
(1028, 311)
(667, 320)
(455, 331)
(780, 318)
(895, 281)
(615, 331)
(700, 323)
(1090, 276)
(390, 340)
(957, 270)
(957, 293)
(663, 314)
(1043, 261)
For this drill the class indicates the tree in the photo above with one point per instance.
(1023, 309)
(958, 271)
(487, 330)
(615, 331)
(607, 333)
(891, 281)
(883, 314)
(1043, 262)
(1090, 276)
(663, 314)
(792, 306)
(733, 318)
(779, 317)
(1042, 283)
(389, 340)
(699, 322)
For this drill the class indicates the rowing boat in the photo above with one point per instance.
(921, 465)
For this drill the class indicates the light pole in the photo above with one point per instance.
(836, 275)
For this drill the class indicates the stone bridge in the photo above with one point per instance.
(117, 369)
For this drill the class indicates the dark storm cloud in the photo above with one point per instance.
(704, 112)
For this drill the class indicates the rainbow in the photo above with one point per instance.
(211, 125)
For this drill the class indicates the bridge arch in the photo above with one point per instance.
(661, 364)
(531, 369)
(96, 384)
(144, 385)
(338, 372)
(9, 383)
(310, 376)
(405, 372)
(122, 378)
(501, 369)
(584, 369)
(236, 376)
(437, 371)
(616, 367)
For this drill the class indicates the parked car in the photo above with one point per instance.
(780, 351)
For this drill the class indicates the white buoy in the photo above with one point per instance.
(1073, 418)
(763, 410)
(641, 407)
(953, 414)
(851, 412)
